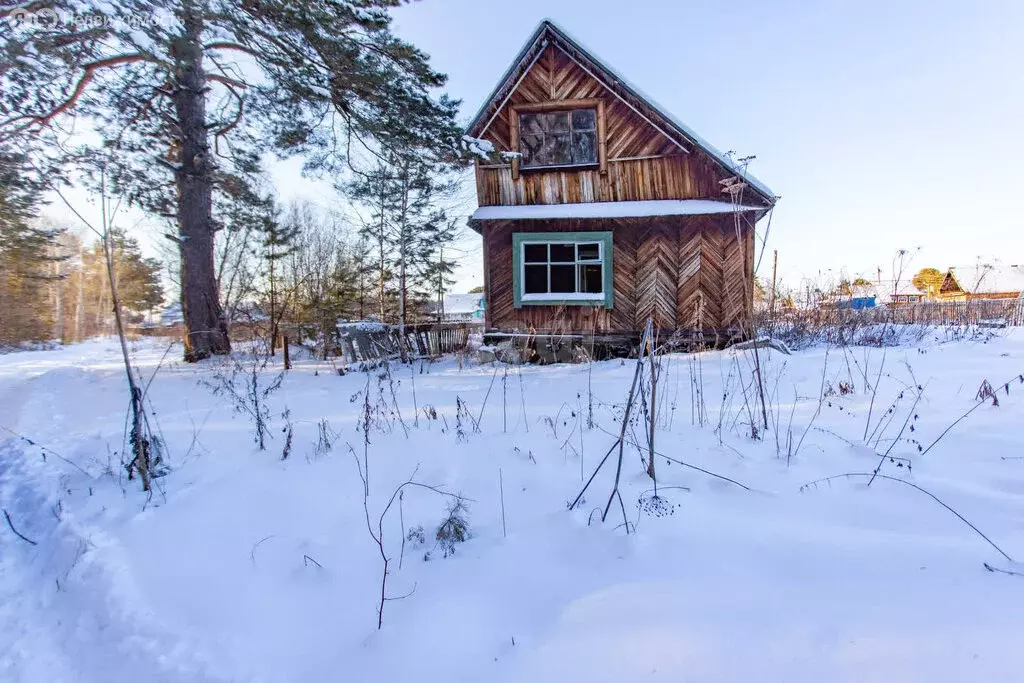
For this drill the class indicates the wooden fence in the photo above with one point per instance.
(996, 312)
(367, 342)
(985, 312)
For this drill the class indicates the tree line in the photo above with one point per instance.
(53, 284)
(306, 268)
(175, 114)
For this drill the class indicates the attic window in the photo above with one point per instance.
(558, 138)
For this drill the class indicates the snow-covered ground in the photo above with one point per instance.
(244, 567)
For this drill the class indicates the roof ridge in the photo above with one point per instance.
(682, 129)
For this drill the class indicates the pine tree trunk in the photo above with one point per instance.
(380, 279)
(362, 298)
(80, 305)
(403, 254)
(101, 306)
(58, 302)
(273, 312)
(206, 331)
(440, 287)
(401, 309)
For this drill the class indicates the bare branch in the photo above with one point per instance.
(232, 124)
(88, 75)
(226, 80)
(16, 532)
(926, 492)
(225, 45)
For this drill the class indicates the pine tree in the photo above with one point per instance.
(138, 277)
(190, 99)
(30, 258)
(362, 270)
(439, 273)
(278, 242)
(375, 192)
(405, 197)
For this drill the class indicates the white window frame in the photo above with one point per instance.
(562, 296)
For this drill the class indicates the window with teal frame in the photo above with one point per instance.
(562, 268)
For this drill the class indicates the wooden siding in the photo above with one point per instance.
(687, 272)
(642, 163)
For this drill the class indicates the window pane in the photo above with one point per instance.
(591, 280)
(584, 119)
(554, 150)
(531, 124)
(588, 252)
(557, 122)
(535, 253)
(536, 280)
(529, 145)
(558, 137)
(563, 279)
(563, 253)
(584, 147)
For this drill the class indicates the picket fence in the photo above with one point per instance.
(358, 343)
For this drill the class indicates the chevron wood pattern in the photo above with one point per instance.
(691, 273)
(624, 241)
(501, 313)
(656, 269)
(643, 163)
(687, 272)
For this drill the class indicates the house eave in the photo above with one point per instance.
(609, 210)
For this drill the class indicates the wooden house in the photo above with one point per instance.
(598, 209)
(982, 281)
(897, 292)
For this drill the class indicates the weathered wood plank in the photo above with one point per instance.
(687, 272)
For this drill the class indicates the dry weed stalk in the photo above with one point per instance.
(378, 534)
(621, 440)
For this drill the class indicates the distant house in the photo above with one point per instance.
(983, 281)
(860, 296)
(898, 292)
(600, 209)
(459, 307)
(855, 302)
(878, 293)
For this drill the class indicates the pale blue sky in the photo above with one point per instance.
(882, 124)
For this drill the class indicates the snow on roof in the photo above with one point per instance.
(655, 207)
(462, 303)
(626, 84)
(888, 288)
(989, 277)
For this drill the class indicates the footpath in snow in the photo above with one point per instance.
(243, 566)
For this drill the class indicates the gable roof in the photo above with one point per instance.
(987, 278)
(547, 32)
